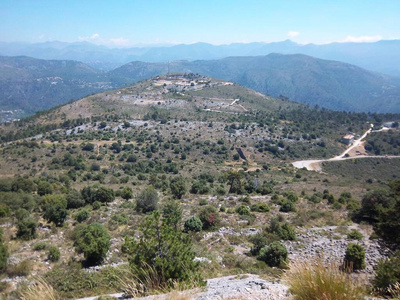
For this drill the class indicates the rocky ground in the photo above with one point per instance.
(240, 287)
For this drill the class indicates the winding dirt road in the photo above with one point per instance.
(316, 164)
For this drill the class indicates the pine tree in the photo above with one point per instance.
(163, 249)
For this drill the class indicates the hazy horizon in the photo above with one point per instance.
(167, 23)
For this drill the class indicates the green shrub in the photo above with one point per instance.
(27, 229)
(274, 255)
(260, 207)
(94, 242)
(259, 241)
(22, 214)
(286, 232)
(354, 234)
(178, 187)
(127, 193)
(39, 246)
(53, 254)
(3, 253)
(120, 218)
(5, 211)
(193, 224)
(172, 213)
(147, 200)
(96, 205)
(209, 216)
(243, 210)
(74, 199)
(354, 256)
(164, 253)
(387, 274)
(287, 206)
(315, 199)
(82, 215)
(55, 209)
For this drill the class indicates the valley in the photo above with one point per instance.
(210, 160)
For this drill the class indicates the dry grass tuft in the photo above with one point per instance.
(309, 280)
(41, 290)
(154, 283)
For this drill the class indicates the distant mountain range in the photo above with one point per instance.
(301, 78)
(30, 84)
(382, 56)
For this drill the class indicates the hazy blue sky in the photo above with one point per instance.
(132, 22)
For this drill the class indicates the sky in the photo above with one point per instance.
(126, 23)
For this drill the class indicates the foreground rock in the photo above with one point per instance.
(240, 287)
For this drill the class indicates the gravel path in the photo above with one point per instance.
(240, 287)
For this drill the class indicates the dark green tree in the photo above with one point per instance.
(354, 256)
(127, 193)
(94, 242)
(147, 200)
(209, 216)
(172, 213)
(53, 254)
(193, 224)
(27, 229)
(74, 199)
(104, 195)
(274, 255)
(3, 253)
(178, 187)
(55, 209)
(387, 273)
(167, 251)
(44, 188)
(235, 182)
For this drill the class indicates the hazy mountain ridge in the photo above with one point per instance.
(30, 84)
(303, 79)
(382, 56)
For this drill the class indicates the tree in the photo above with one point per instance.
(286, 232)
(55, 209)
(387, 273)
(44, 188)
(104, 195)
(178, 187)
(94, 242)
(374, 204)
(164, 250)
(274, 255)
(209, 217)
(74, 199)
(172, 213)
(26, 229)
(3, 253)
(147, 200)
(287, 206)
(193, 224)
(235, 182)
(127, 193)
(82, 215)
(22, 214)
(53, 254)
(354, 256)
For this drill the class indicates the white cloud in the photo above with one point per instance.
(94, 36)
(120, 42)
(362, 38)
(293, 34)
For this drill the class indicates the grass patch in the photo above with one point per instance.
(314, 280)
